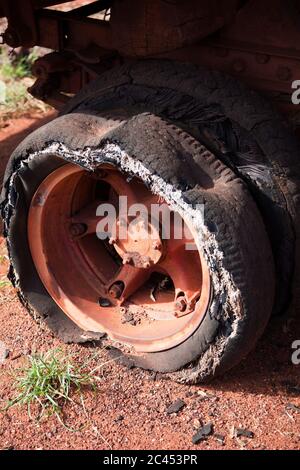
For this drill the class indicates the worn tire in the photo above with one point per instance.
(176, 166)
(239, 126)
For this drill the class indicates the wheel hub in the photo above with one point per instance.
(140, 245)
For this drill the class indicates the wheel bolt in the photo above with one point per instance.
(181, 304)
(116, 290)
(77, 229)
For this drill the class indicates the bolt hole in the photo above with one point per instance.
(180, 294)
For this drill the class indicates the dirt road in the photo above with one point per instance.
(129, 408)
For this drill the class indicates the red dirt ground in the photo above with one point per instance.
(128, 409)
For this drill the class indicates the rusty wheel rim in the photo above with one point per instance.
(114, 285)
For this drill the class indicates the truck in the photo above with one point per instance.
(158, 214)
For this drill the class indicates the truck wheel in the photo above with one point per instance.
(191, 313)
(239, 126)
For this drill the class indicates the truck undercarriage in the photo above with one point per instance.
(254, 41)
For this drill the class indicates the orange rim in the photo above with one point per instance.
(147, 292)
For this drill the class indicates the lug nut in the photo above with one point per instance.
(181, 304)
(77, 229)
(116, 290)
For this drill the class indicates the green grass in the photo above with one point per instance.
(50, 380)
(18, 68)
(4, 283)
(15, 78)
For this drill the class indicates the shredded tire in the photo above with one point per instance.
(239, 126)
(176, 166)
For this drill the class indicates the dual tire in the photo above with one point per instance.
(158, 115)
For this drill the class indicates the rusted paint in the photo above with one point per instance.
(257, 42)
(91, 286)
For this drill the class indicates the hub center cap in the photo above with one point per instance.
(138, 242)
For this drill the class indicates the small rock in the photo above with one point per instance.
(232, 432)
(16, 356)
(4, 352)
(119, 418)
(292, 407)
(244, 433)
(204, 395)
(176, 406)
(220, 438)
(207, 429)
(196, 423)
(203, 433)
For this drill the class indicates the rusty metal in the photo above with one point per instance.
(258, 42)
(92, 281)
(264, 68)
(21, 29)
(143, 247)
(116, 290)
(181, 304)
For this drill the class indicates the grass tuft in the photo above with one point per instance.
(49, 380)
(18, 68)
(15, 79)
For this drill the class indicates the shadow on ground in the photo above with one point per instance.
(12, 132)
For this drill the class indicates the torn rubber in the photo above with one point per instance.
(226, 320)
